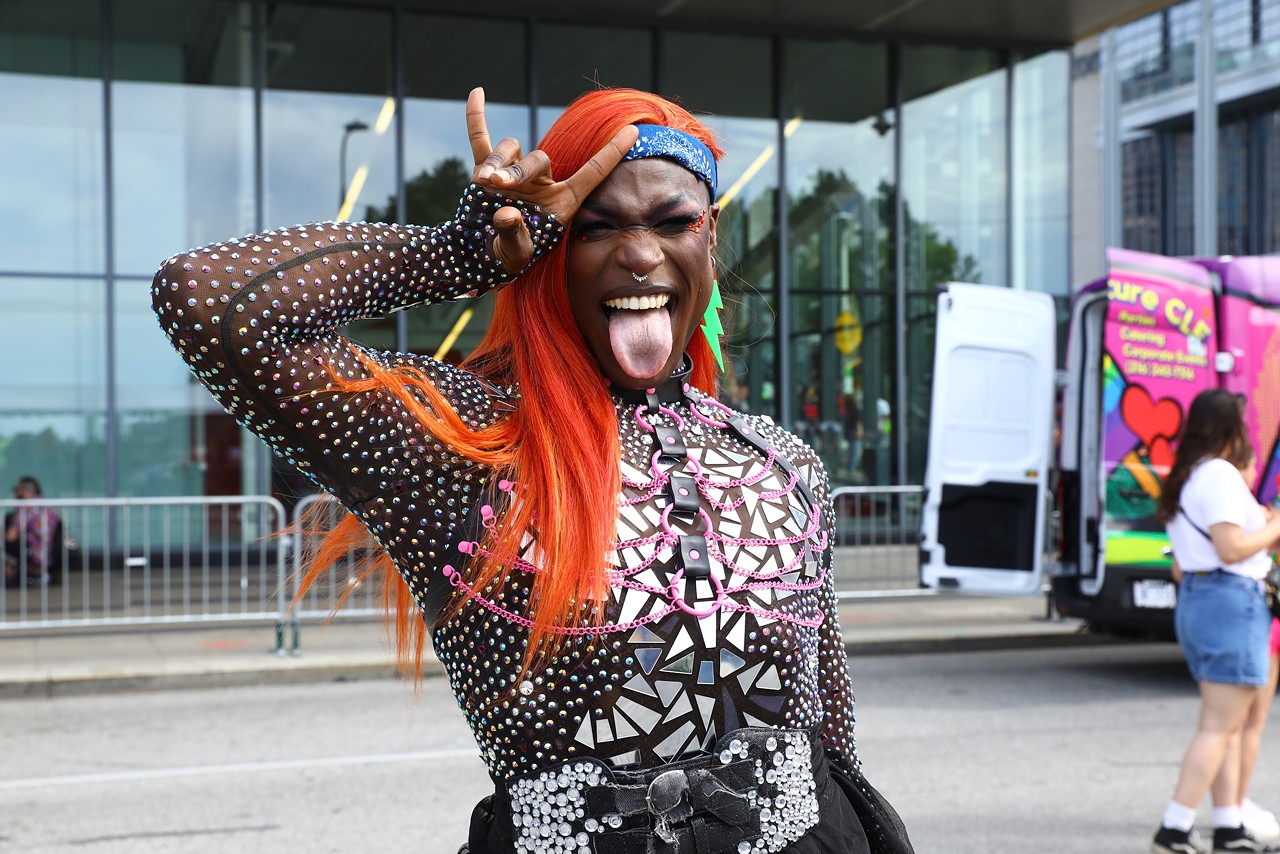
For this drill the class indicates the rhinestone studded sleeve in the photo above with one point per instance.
(257, 321)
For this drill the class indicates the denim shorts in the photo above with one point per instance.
(1224, 628)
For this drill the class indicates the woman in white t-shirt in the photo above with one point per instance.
(1220, 537)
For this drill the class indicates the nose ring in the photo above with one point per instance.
(639, 278)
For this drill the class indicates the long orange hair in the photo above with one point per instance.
(560, 447)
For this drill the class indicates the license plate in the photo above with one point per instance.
(1154, 593)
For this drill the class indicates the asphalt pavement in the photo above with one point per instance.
(44, 663)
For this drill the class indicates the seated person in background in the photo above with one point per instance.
(31, 538)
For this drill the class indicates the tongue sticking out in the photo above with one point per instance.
(641, 341)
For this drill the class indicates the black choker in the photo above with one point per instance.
(671, 390)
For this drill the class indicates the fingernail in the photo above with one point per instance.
(484, 172)
(502, 175)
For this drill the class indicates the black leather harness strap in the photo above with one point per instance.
(749, 435)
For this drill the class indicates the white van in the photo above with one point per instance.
(1008, 456)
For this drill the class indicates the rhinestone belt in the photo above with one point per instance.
(757, 792)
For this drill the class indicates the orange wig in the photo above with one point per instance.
(567, 485)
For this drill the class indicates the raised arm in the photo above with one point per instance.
(257, 318)
(257, 321)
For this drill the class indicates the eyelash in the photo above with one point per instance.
(597, 229)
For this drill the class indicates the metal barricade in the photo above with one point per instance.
(877, 534)
(143, 561)
(338, 592)
(877, 541)
(101, 562)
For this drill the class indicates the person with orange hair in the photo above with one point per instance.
(627, 582)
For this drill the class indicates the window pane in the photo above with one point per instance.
(734, 93)
(1270, 203)
(328, 134)
(51, 148)
(183, 128)
(174, 438)
(840, 177)
(438, 75)
(1234, 202)
(1143, 193)
(1158, 187)
(1181, 179)
(1184, 26)
(1041, 207)
(954, 180)
(1156, 53)
(52, 410)
(1269, 15)
(574, 59)
(327, 113)
(1233, 32)
(954, 187)
(1141, 59)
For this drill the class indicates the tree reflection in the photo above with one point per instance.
(833, 193)
(842, 260)
(429, 198)
(843, 268)
(64, 465)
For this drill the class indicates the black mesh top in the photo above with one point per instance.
(722, 609)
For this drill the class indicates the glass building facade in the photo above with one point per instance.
(860, 176)
(1156, 65)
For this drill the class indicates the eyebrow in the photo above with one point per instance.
(665, 206)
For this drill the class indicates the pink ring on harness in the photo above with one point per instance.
(656, 472)
(711, 422)
(666, 523)
(679, 600)
(662, 410)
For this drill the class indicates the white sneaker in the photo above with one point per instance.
(1260, 823)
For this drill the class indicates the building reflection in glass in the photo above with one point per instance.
(227, 116)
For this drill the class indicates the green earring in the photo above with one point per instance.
(711, 327)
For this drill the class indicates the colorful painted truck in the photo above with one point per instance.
(1033, 478)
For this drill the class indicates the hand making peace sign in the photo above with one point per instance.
(505, 170)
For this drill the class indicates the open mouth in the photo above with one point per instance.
(640, 333)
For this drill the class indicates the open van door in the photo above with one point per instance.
(990, 441)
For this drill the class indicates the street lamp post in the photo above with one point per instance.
(351, 127)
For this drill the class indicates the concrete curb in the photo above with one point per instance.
(41, 664)
(978, 643)
(177, 679)
(327, 666)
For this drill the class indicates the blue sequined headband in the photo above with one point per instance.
(673, 144)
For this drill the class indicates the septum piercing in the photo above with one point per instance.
(640, 278)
